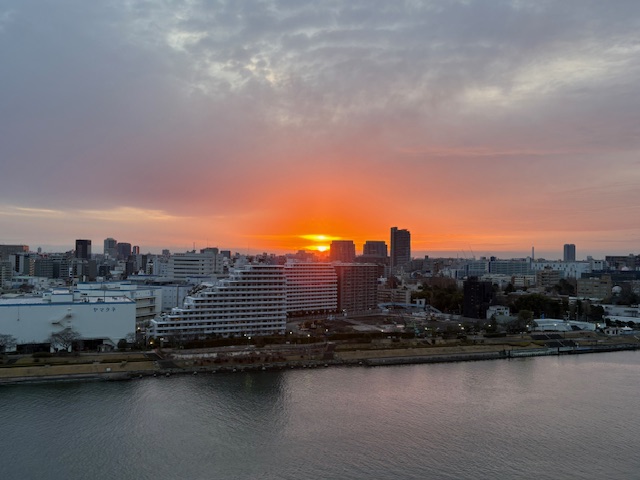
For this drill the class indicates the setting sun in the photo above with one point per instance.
(321, 242)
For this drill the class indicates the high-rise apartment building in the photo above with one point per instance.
(311, 288)
(342, 251)
(569, 252)
(357, 286)
(400, 248)
(83, 249)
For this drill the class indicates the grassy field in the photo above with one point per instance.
(29, 366)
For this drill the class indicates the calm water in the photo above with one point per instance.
(543, 418)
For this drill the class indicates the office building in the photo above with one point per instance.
(6, 250)
(520, 266)
(192, 264)
(375, 248)
(83, 249)
(110, 248)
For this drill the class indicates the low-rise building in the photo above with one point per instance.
(595, 288)
(566, 269)
(548, 277)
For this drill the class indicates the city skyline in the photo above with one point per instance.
(324, 249)
(482, 128)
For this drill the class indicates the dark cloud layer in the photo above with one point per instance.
(174, 105)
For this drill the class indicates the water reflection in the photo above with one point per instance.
(498, 419)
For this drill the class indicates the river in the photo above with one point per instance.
(544, 418)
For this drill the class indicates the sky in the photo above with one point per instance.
(483, 127)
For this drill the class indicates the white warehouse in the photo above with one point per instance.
(102, 320)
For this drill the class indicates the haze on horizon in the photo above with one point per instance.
(479, 126)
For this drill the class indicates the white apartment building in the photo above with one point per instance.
(251, 301)
(311, 288)
(32, 319)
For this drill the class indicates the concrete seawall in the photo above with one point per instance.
(502, 354)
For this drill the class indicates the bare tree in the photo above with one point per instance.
(7, 342)
(64, 339)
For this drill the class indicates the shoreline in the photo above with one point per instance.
(157, 370)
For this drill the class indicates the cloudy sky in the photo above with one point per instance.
(483, 126)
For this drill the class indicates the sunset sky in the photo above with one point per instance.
(481, 126)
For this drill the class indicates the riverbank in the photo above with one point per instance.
(125, 366)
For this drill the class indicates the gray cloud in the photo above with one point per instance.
(154, 103)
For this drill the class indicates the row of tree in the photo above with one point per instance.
(62, 340)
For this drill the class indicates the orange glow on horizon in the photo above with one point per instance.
(318, 248)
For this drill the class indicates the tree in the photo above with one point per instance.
(64, 339)
(446, 299)
(595, 314)
(539, 305)
(7, 342)
(565, 287)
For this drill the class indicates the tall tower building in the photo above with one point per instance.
(124, 250)
(478, 295)
(400, 248)
(110, 247)
(569, 252)
(83, 249)
(342, 251)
